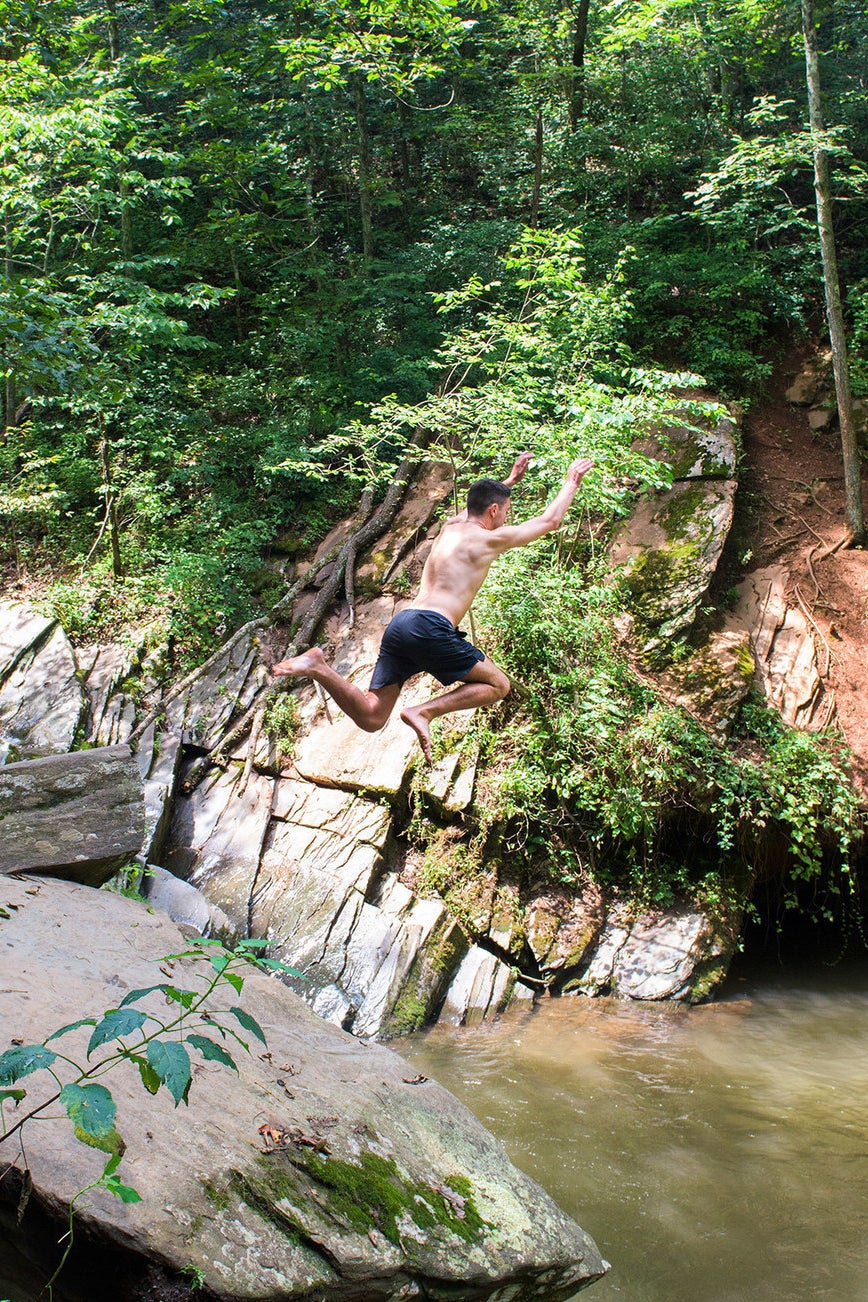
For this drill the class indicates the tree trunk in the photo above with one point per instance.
(834, 311)
(365, 204)
(113, 33)
(577, 80)
(537, 170)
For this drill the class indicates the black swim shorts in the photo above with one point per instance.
(424, 641)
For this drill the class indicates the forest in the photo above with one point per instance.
(256, 254)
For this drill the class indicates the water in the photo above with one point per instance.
(715, 1154)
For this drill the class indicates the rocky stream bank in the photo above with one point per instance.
(310, 852)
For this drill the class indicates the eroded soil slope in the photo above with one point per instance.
(793, 515)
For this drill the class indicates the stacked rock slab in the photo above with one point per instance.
(41, 699)
(78, 816)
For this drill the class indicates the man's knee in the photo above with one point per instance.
(375, 721)
(502, 686)
(372, 725)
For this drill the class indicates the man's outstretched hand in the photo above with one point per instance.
(578, 470)
(519, 469)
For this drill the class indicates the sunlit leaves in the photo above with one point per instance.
(23, 1059)
(90, 1107)
(116, 1023)
(171, 1062)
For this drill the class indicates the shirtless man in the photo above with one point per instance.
(424, 637)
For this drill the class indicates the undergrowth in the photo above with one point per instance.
(588, 772)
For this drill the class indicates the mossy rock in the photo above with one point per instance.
(667, 554)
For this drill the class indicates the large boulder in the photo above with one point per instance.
(79, 816)
(668, 549)
(668, 552)
(677, 953)
(323, 1169)
(216, 838)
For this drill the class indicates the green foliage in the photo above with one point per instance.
(592, 773)
(282, 723)
(858, 302)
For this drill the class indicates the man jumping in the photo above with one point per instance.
(424, 637)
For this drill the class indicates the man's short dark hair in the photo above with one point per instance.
(483, 493)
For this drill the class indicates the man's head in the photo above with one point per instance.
(485, 494)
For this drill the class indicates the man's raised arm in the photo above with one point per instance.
(517, 473)
(519, 469)
(516, 535)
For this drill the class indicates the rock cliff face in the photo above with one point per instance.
(311, 853)
(320, 1170)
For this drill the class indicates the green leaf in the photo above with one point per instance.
(249, 1023)
(277, 965)
(112, 1164)
(201, 948)
(183, 997)
(73, 1026)
(210, 1051)
(17, 1095)
(22, 1059)
(150, 1079)
(235, 981)
(135, 995)
(117, 1022)
(125, 1192)
(171, 1061)
(110, 1143)
(90, 1107)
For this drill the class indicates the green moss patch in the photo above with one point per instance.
(370, 1194)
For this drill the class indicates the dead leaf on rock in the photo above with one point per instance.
(455, 1200)
(414, 1080)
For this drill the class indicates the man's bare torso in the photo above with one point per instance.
(456, 569)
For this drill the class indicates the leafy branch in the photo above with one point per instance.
(158, 1046)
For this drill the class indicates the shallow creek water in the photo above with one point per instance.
(716, 1154)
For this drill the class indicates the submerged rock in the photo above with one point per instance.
(323, 1169)
(481, 988)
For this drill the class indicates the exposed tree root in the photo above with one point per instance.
(342, 559)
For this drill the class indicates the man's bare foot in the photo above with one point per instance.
(415, 719)
(300, 666)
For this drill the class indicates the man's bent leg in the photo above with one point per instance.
(484, 685)
(368, 710)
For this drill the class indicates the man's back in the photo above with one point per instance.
(456, 568)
